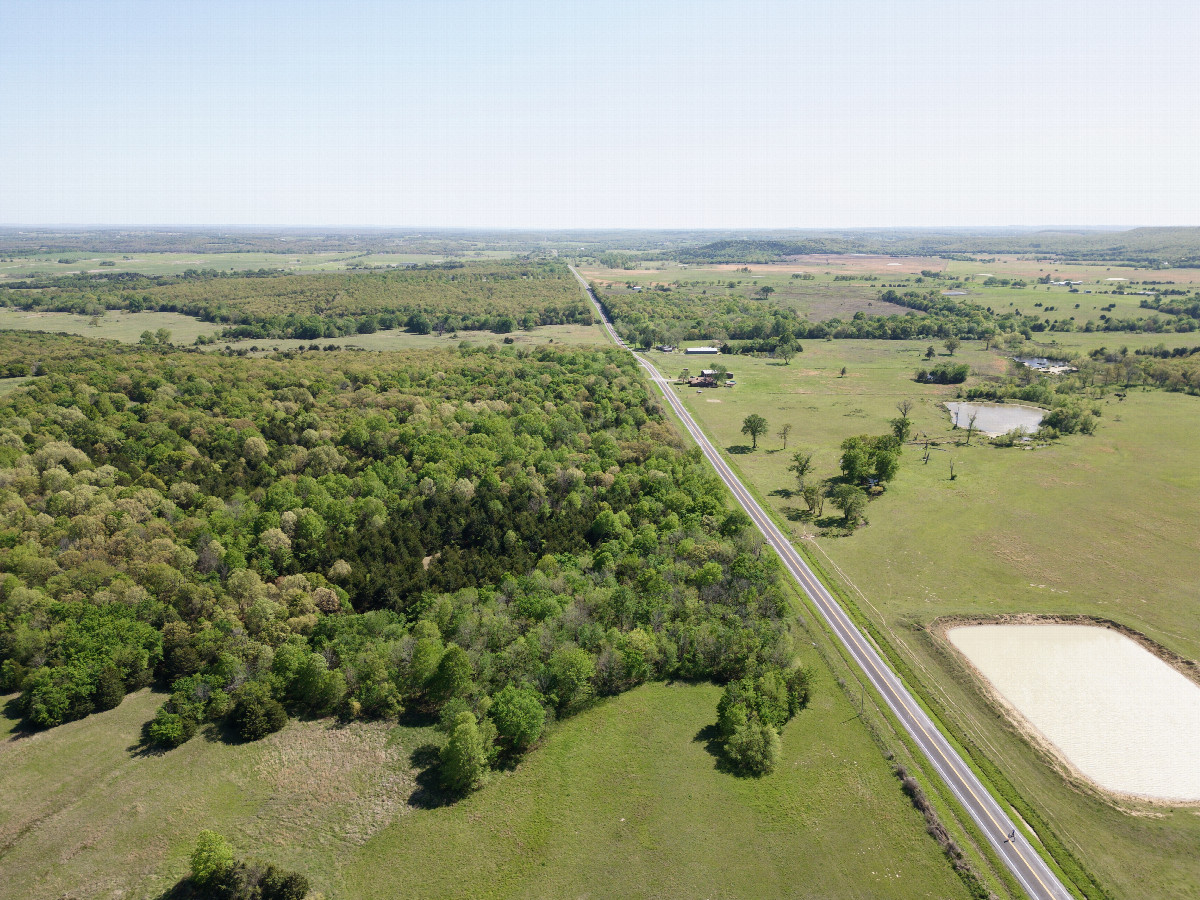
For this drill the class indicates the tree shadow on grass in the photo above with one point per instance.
(184, 889)
(786, 493)
(796, 514)
(710, 736)
(12, 709)
(429, 793)
(739, 449)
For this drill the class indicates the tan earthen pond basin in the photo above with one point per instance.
(1118, 714)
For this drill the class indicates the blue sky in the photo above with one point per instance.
(648, 114)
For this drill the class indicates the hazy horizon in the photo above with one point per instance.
(532, 115)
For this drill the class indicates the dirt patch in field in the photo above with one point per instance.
(313, 766)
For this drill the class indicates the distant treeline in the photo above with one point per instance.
(1154, 247)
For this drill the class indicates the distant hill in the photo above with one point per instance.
(1175, 246)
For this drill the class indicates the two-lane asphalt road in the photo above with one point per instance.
(1022, 860)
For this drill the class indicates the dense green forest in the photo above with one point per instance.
(492, 537)
(500, 297)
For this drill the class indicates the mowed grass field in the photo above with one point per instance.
(624, 800)
(1107, 525)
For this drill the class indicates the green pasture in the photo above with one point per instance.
(1105, 525)
(115, 325)
(819, 299)
(625, 800)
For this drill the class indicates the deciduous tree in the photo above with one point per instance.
(755, 426)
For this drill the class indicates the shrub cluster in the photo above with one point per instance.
(751, 712)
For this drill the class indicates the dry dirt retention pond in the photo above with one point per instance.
(1119, 715)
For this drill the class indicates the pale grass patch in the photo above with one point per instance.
(324, 774)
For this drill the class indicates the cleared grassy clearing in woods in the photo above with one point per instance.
(1107, 525)
(114, 325)
(338, 803)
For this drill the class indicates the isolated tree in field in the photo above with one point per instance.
(146, 339)
(786, 349)
(930, 353)
(951, 344)
(464, 760)
(814, 499)
(784, 431)
(902, 426)
(971, 426)
(162, 336)
(755, 426)
(851, 500)
(766, 291)
(801, 466)
(212, 857)
(843, 372)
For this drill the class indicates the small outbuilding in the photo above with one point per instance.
(703, 350)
